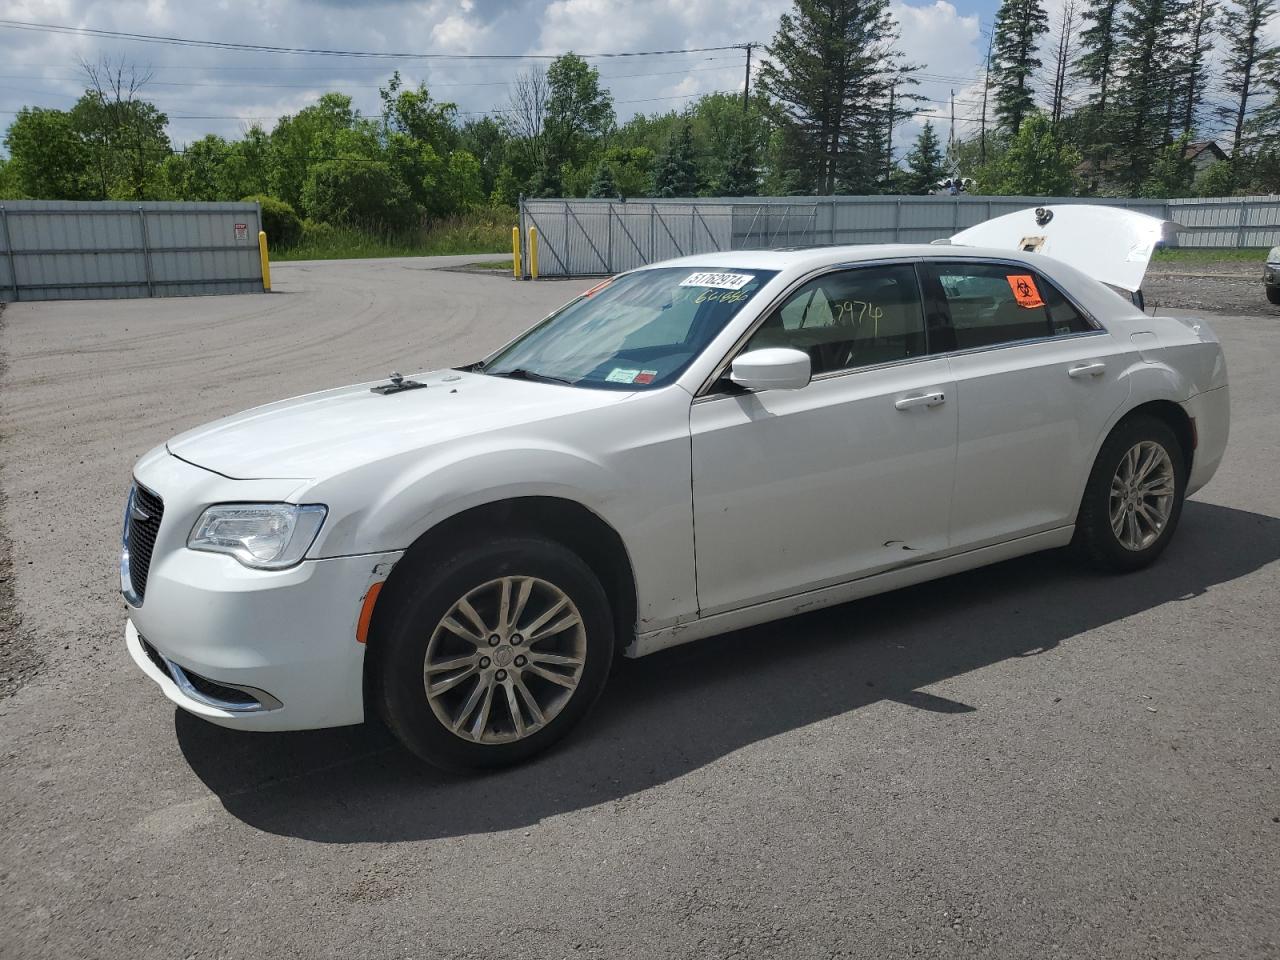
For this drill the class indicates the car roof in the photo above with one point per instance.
(815, 257)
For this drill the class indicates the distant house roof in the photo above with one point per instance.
(1197, 147)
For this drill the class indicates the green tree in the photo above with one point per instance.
(364, 194)
(280, 221)
(1218, 180)
(1171, 172)
(830, 71)
(328, 128)
(486, 140)
(1019, 24)
(603, 186)
(578, 111)
(1099, 55)
(415, 114)
(9, 187)
(1145, 99)
(463, 186)
(676, 172)
(1037, 163)
(1193, 77)
(47, 157)
(925, 162)
(1249, 60)
(739, 176)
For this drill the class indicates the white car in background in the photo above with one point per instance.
(689, 448)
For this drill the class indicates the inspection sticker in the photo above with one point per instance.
(721, 281)
(619, 375)
(646, 376)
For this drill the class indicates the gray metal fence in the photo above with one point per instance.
(590, 237)
(69, 250)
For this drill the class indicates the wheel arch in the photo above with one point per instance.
(564, 521)
(1171, 413)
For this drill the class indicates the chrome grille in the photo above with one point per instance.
(141, 525)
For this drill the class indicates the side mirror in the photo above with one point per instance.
(772, 368)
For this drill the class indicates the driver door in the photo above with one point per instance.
(794, 490)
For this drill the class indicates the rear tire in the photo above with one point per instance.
(490, 655)
(1133, 499)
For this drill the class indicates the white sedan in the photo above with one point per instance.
(685, 449)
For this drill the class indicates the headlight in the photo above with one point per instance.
(269, 536)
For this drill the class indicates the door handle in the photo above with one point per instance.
(920, 400)
(1088, 370)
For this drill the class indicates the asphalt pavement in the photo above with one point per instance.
(1026, 761)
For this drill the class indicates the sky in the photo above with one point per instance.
(223, 91)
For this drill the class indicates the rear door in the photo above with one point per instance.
(1037, 381)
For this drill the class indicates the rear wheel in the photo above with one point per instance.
(1133, 500)
(495, 653)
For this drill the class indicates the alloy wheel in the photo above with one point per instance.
(505, 659)
(1142, 495)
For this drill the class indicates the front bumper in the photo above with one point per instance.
(218, 630)
(288, 634)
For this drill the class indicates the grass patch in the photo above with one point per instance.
(1211, 255)
(493, 265)
(480, 232)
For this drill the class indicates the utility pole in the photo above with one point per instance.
(888, 145)
(986, 85)
(951, 136)
(746, 85)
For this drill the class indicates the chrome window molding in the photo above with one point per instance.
(705, 391)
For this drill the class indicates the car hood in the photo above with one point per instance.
(324, 433)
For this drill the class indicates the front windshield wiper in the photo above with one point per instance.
(520, 373)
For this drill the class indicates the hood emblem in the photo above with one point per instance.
(398, 384)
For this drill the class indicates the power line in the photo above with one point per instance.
(320, 52)
(356, 86)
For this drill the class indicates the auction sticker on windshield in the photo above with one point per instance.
(721, 281)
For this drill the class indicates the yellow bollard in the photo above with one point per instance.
(515, 252)
(266, 262)
(533, 253)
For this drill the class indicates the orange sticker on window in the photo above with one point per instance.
(1024, 290)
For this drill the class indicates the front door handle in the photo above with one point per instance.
(1088, 370)
(920, 400)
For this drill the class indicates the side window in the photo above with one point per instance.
(993, 303)
(854, 318)
(1064, 317)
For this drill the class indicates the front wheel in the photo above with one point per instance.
(1133, 500)
(1273, 294)
(493, 654)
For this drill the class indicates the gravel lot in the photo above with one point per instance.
(1027, 761)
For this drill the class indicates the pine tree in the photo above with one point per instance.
(603, 186)
(676, 174)
(1018, 27)
(925, 163)
(1146, 94)
(1249, 61)
(831, 67)
(740, 178)
(1198, 34)
(1096, 65)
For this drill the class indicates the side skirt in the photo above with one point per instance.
(656, 640)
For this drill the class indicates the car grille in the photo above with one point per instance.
(144, 524)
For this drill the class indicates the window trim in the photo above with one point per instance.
(931, 268)
(706, 389)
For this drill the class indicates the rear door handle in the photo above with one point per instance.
(920, 400)
(1088, 370)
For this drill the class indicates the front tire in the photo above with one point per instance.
(1133, 500)
(493, 654)
(1273, 294)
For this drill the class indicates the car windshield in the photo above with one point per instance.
(637, 331)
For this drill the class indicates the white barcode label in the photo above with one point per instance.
(720, 281)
